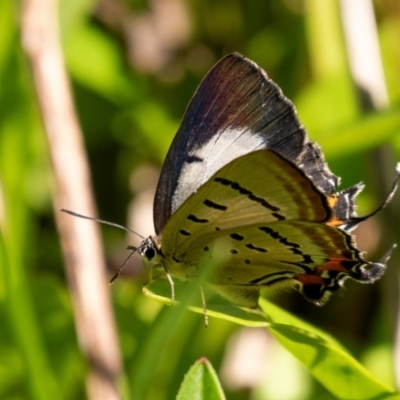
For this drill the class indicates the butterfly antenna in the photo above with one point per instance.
(101, 221)
(116, 275)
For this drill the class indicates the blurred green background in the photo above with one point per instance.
(134, 65)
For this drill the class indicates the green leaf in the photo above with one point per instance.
(321, 354)
(326, 360)
(201, 382)
(216, 306)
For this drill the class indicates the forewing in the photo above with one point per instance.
(236, 109)
(257, 188)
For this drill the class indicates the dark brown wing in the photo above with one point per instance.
(237, 109)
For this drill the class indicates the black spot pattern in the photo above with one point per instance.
(193, 218)
(246, 192)
(307, 259)
(193, 159)
(236, 236)
(279, 217)
(259, 249)
(216, 206)
(293, 247)
(280, 276)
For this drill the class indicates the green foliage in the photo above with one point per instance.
(321, 354)
(332, 365)
(201, 382)
(129, 118)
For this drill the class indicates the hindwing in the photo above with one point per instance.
(312, 257)
(271, 225)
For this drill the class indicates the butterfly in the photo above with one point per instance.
(243, 181)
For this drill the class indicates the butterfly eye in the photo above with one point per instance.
(149, 253)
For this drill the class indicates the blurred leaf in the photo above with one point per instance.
(201, 382)
(74, 13)
(96, 62)
(153, 122)
(325, 40)
(389, 34)
(14, 161)
(8, 15)
(327, 105)
(157, 358)
(270, 45)
(371, 131)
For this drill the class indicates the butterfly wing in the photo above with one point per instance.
(259, 187)
(236, 110)
(313, 258)
(272, 224)
(242, 173)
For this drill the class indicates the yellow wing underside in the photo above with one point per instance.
(267, 221)
(258, 188)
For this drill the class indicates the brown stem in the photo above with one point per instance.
(80, 241)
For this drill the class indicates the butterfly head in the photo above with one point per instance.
(148, 249)
(152, 257)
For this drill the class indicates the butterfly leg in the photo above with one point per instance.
(171, 283)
